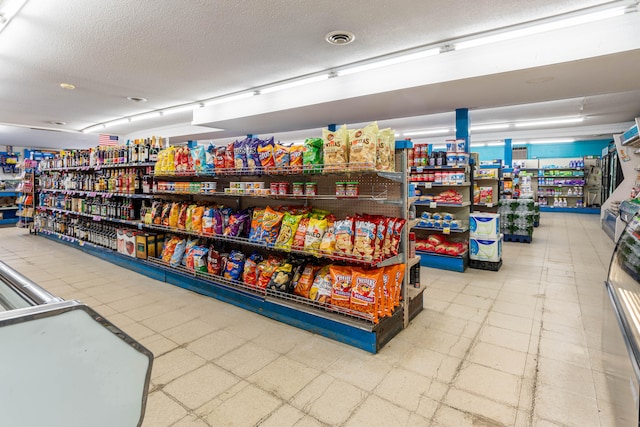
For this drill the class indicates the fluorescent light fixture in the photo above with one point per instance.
(439, 147)
(145, 116)
(551, 141)
(478, 144)
(387, 62)
(397, 134)
(495, 144)
(519, 143)
(495, 126)
(426, 132)
(562, 22)
(226, 99)
(549, 122)
(93, 128)
(294, 83)
(117, 122)
(9, 10)
(180, 109)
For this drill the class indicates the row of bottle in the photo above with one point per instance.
(559, 202)
(136, 151)
(123, 181)
(98, 233)
(126, 209)
(559, 192)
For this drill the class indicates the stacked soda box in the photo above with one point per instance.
(485, 239)
(517, 216)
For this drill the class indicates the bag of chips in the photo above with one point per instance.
(328, 243)
(230, 157)
(288, 230)
(174, 214)
(281, 278)
(397, 235)
(314, 234)
(344, 232)
(364, 239)
(198, 158)
(363, 291)
(188, 225)
(266, 269)
(196, 219)
(182, 216)
(209, 155)
(281, 156)
(399, 278)
(250, 272)
(301, 233)
(312, 155)
(386, 152)
(386, 244)
(299, 265)
(271, 221)
(214, 262)
(336, 149)
(178, 253)
(321, 288)
(195, 254)
(340, 285)
(363, 144)
(305, 282)
(296, 158)
(191, 243)
(236, 223)
(219, 154)
(240, 154)
(156, 212)
(207, 221)
(265, 154)
(169, 247)
(235, 266)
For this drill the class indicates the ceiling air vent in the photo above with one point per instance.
(340, 37)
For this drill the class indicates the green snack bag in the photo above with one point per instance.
(312, 157)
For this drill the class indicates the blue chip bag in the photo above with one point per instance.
(199, 158)
(253, 158)
(178, 253)
(235, 266)
(240, 154)
(191, 243)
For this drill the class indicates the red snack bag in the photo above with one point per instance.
(436, 239)
(343, 230)
(229, 159)
(301, 233)
(182, 217)
(250, 271)
(364, 239)
(219, 155)
(399, 273)
(397, 235)
(214, 262)
(266, 269)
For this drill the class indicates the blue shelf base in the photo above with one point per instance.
(443, 262)
(570, 210)
(357, 334)
(13, 220)
(517, 238)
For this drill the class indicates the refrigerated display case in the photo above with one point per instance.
(621, 327)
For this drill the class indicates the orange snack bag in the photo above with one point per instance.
(399, 278)
(301, 233)
(341, 280)
(196, 218)
(364, 291)
(306, 280)
(174, 214)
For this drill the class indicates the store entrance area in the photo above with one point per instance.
(521, 346)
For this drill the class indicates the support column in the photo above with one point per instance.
(508, 153)
(462, 126)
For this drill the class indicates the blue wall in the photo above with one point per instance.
(545, 151)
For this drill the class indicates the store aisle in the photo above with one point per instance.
(517, 347)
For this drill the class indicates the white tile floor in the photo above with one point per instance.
(520, 347)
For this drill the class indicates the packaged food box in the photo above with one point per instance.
(484, 225)
(485, 249)
(130, 242)
(120, 232)
(145, 245)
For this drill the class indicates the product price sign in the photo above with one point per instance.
(446, 230)
(489, 205)
(419, 169)
(96, 218)
(140, 226)
(433, 205)
(428, 185)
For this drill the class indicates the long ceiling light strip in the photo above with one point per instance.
(9, 10)
(549, 122)
(498, 126)
(563, 21)
(547, 25)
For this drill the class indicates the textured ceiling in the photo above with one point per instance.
(174, 52)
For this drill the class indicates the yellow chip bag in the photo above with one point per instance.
(336, 149)
(363, 145)
(288, 230)
(328, 243)
(315, 232)
(386, 151)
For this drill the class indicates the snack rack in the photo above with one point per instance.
(461, 211)
(380, 193)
